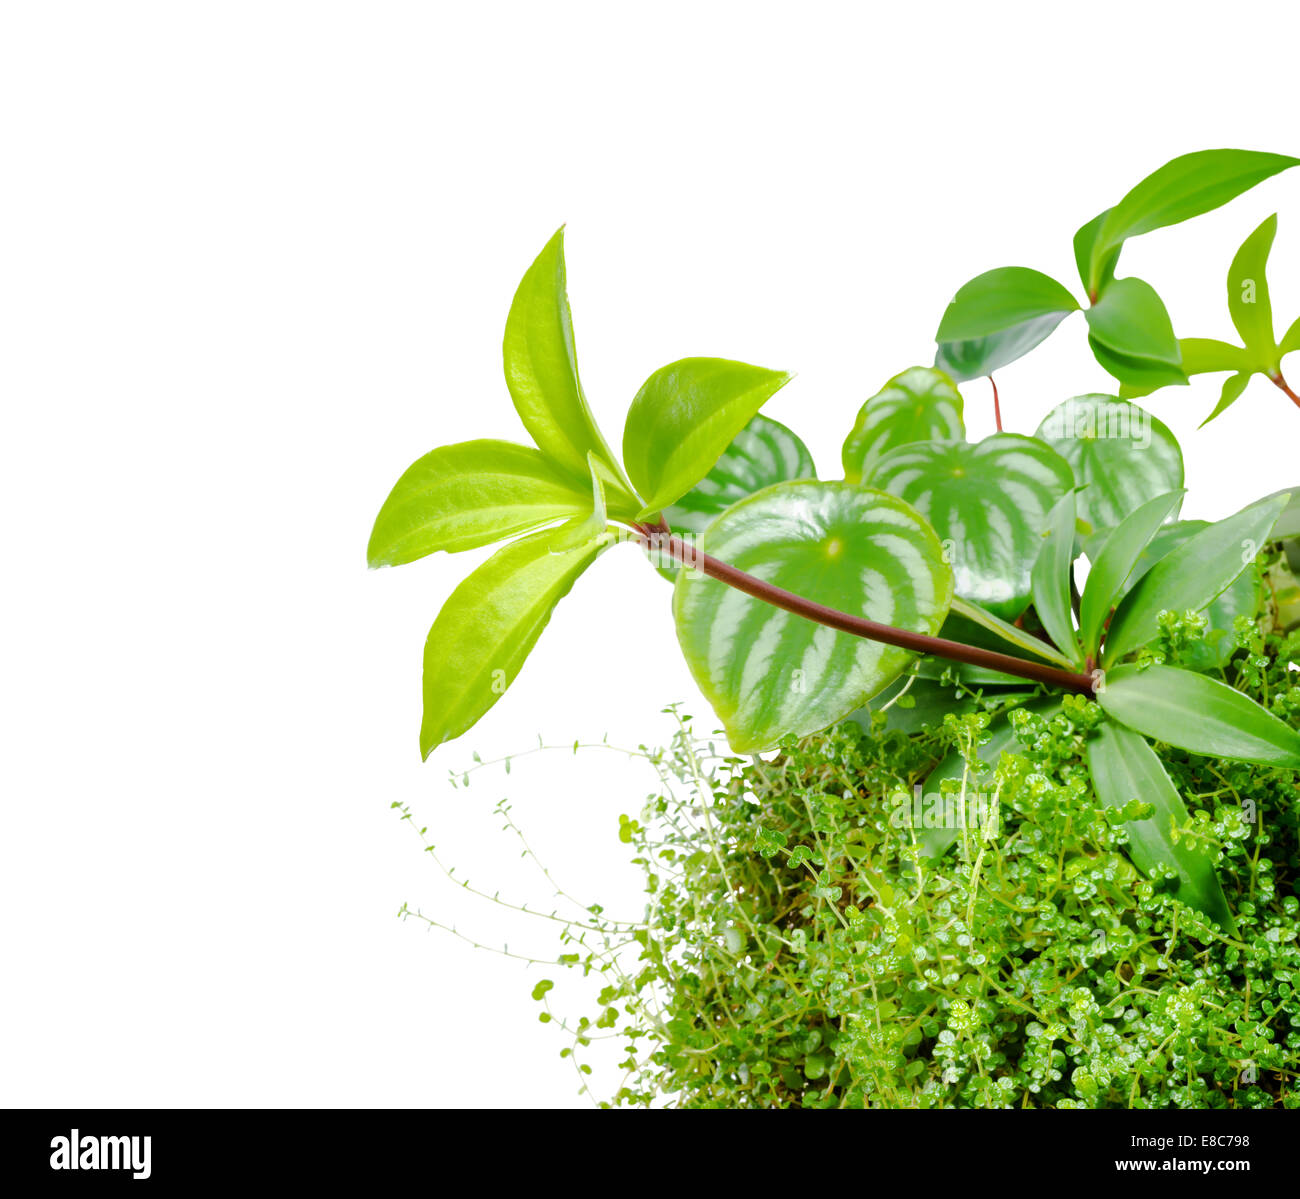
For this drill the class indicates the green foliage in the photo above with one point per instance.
(920, 404)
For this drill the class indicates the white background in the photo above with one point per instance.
(256, 258)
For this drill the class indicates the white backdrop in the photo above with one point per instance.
(256, 258)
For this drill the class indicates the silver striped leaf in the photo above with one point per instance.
(1120, 454)
(921, 404)
(769, 673)
(988, 503)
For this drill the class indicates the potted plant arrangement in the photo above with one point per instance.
(986, 830)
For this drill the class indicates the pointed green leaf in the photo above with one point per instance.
(1125, 768)
(920, 404)
(541, 366)
(1084, 240)
(1181, 189)
(1233, 386)
(1120, 454)
(769, 673)
(1248, 300)
(684, 418)
(470, 494)
(486, 629)
(1050, 579)
(583, 530)
(1130, 322)
(1115, 563)
(988, 503)
(1203, 355)
(997, 317)
(1014, 638)
(1198, 714)
(1291, 341)
(1190, 577)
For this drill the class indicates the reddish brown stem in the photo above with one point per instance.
(845, 622)
(1282, 383)
(997, 408)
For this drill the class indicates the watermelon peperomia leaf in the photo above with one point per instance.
(769, 673)
(988, 503)
(684, 418)
(920, 404)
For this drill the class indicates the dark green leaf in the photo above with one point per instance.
(920, 404)
(1130, 323)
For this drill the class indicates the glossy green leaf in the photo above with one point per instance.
(920, 404)
(486, 629)
(1192, 576)
(769, 673)
(988, 503)
(1124, 768)
(1120, 454)
(1231, 392)
(1050, 578)
(1288, 524)
(583, 530)
(1248, 299)
(1004, 631)
(541, 367)
(1130, 322)
(1242, 597)
(1084, 240)
(1181, 189)
(1115, 563)
(939, 830)
(1136, 376)
(470, 494)
(996, 318)
(1198, 714)
(684, 418)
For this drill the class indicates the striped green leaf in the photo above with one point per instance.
(488, 627)
(1198, 714)
(920, 404)
(1125, 768)
(541, 367)
(1120, 454)
(988, 503)
(684, 418)
(1190, 577)
(769, 673)
(475, 492)
(1120, 556)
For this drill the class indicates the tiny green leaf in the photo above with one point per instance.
(1121, 455)
(684, 418)
(1198, 714)
(462, 496)
(769, 673)
(1183, 188)
(1050, 578)
(1115, 563)
(1124, 768)
(988, 503)
(1248, 299)
(541, 367)
(920, 404)
(1190, 577)
(487, 628)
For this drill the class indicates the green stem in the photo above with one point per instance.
(661, 539)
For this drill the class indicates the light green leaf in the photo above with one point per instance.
(541, 366)
(1004, 631)
(1050, 578)
(1291, 341)
(1190, 577)
(1198, 714)
(1181, 189)
(988, 503)
(1233, 386)
(763, 452)
(1115, 563)
(996, 318)
(1125, 768)
(769, 673)
(920, 404)
(1203, 355)
(1248, 299)
(486, 629)
(1120, 454)
(1130, 323)
(583, 530)
(683, 419)
(469, 494)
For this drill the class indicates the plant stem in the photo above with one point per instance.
(997, 408)
(919, 643)
(1282, 383)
